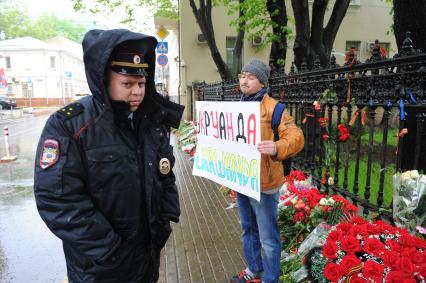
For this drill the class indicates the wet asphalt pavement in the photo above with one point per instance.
(29, 252)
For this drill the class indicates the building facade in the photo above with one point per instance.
(42, 73)
(365, 21)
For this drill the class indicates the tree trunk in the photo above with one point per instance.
(410, 15)
(319, 40)
(278, 48)
(301, 46)
(238, 48)
(204, 20)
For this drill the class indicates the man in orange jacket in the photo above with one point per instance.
(259, 220)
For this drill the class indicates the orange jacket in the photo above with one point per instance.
(290, 143)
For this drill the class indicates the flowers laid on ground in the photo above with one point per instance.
(187, 139)
(303, 207)
(410, 200)
(360, 251)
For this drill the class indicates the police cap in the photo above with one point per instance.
(127, 58)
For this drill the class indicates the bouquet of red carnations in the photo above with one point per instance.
(301, 210)
(359, 252)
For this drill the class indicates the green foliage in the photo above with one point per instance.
(15, 22)
(257, 21)
(49, 25)
(159, 8)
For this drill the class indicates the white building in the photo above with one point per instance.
(43, 73)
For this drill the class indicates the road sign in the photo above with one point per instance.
(162, 32)
(68, 74)
(163, 47)
(162, 60)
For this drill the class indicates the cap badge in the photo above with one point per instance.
(136, 59)
(164, 166)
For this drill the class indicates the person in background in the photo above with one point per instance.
(103, 173)
(259, 220)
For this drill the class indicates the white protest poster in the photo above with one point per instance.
(227, 134)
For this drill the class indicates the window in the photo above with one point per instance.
(230, 44)
(8, 64)
(356, 45)
(52, 62)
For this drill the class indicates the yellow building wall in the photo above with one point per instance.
(365, 21)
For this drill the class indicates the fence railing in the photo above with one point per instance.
(381, 101)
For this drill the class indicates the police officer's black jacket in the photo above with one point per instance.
(100, 189)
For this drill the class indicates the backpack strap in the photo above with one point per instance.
(276, 118)
(275, 123)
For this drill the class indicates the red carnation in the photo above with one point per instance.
(335, 235)
(394, 245)
(323, 122)
(374, 246)
(391, 258)
(394, 277)
(330, 250)
(333, 272)
(348, 262)
(359, 230)
(373, 270)
(414, 255)
(350, 244)
(325, 137)
(344, 227)
(344, 133)
(358, 220)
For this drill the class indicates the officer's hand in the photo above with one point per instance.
(267, 147)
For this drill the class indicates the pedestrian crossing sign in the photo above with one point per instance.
(163, 47)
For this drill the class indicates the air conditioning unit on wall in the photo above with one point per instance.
(201, 39)
(369, 47)
(257, 40)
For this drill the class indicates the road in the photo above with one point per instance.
(29, 252)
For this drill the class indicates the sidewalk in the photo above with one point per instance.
(205, 245)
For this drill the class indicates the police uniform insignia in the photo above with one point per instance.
(164, 166)
(71, 110)
(49, 153)
(136, 59)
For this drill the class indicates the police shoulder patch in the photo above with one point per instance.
(71, 110)
(50, 153)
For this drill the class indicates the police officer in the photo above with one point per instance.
(103, 174)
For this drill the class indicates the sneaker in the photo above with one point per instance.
(244, 277)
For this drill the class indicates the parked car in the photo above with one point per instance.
(7, 103)
(77, 96)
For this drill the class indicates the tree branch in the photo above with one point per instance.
(336, 18)
(203, 16)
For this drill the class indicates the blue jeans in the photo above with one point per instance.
(259, 222)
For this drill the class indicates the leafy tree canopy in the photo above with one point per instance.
(15, 22)
(159, 8)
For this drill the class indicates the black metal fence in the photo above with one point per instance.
(381, 101)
